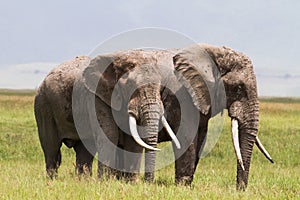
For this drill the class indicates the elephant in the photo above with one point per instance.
(219, 78)
(129, 85)
(62, 106)
(137, 92)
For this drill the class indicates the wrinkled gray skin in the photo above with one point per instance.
(127, 71)
(236, 73)
(53, 113)
(97, 79)
(204, 67)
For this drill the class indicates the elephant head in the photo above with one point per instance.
(220, 78)
(131, 81)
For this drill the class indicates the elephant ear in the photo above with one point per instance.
(198, 72)
(100, 78)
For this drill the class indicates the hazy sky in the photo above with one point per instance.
(36, 34)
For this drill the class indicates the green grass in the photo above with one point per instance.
(22, 168)
(17, 92)
(280, 100)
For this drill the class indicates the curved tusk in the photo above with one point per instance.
(135, 135)
(263, 150)
(170, 132)
(235, 140)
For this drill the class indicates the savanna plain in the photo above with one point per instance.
(22, 168)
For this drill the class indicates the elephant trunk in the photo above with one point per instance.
(248, 120)
(150, 121)
(246, 140)
(146, 107)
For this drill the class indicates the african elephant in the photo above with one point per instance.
(62, 110)
(130, 85)
(133, 85)
(213, 73)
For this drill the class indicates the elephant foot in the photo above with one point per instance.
(120, 175)
(130, 177)
(105, 172)
(84, 158)
(185, 180)
(52, 174)
(84, 169)
(149, 177)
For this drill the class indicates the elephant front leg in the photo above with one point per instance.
(106, 148)
(185, 164)
(132, 156)
(106, 135)
(201, 140)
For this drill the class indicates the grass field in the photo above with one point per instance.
(22, 168)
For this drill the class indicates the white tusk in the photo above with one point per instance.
(235, 140)
(170, 132)
(135, 135)
(262, 149)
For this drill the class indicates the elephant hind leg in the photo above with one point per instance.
(51, 147)
(52, 164)
(84, 156)
(48, 135)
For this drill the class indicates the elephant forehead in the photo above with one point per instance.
(144, 74)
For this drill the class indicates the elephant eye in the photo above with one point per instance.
(222, 71)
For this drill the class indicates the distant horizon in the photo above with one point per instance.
(31, 90)
(34, 37)
(275, 84)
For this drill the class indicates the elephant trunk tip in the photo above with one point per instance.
(241, 186)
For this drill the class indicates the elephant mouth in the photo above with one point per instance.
(138, 139)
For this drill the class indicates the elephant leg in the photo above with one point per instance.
(107, 166)
(187, 158)
(185, 164)
(53, 161)
(201, 140)
(106, 140)
(48, 135)
(185, 122)
(51, 144)
(132, 158)
(120, 161)
(84, 157)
